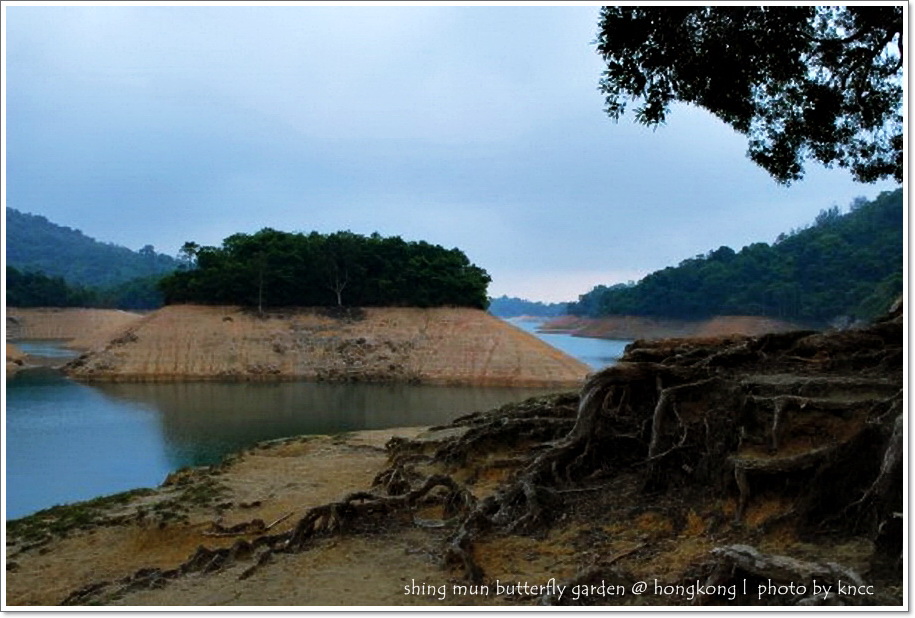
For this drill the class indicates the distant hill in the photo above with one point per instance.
(34, 244)
(511, 307)
(843, 267)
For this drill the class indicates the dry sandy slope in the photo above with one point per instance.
(750, 484)
(638, 327)
(266, 483)
(436, 346)
(81, 328)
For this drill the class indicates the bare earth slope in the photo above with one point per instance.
(81, 328)
(746, 471)
(436, 346)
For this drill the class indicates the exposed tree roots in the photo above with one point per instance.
(814, 418)
(752, 415)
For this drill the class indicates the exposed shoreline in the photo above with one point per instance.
(626, 327)
(437, 346)
(332, 520)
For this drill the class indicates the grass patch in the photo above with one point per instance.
(191, 493)
(62, 519)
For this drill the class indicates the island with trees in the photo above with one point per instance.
(274, 269)
(732, 471)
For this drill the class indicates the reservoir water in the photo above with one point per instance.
(596, 353)
(67, 441)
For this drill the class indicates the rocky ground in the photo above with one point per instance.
(739, 471)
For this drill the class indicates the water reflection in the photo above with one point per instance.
(202, 421)
(68, 441)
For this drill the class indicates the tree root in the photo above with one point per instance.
(332, 518)
(604, 571)
(785, 575)
(502, 431)
(676, 417)
(255, 526)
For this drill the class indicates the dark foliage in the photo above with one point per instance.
(818, 82)
(273, 268)
(35, 244)
(36, 289)
(844, 265)
(30, 289)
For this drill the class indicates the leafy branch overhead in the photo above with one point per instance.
(801, 82)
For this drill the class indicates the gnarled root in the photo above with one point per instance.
(783, 580)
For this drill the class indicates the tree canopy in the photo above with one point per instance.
(274, 268)
(801, 82)
(844, 265)
(36, 289)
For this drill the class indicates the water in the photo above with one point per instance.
(46, 349)
(596, 353)
(68, 441)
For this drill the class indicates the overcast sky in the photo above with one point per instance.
(472, 127)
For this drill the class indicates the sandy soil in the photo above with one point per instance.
(637, 327)
(83, 329)
(163, 529)
(267, 483)
(109, 560)
(160, 548)
(437, 346)
(15, 359)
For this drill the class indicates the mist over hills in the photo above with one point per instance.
(34, 244)
(842, 266)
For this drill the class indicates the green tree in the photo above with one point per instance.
(273, 268)
(801, 82)
(187, 255)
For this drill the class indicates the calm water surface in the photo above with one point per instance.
(596, 353)
(68, 441)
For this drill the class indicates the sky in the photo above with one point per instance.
(477, 127)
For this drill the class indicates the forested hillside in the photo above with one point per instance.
(34, 244)
(510, 307)
(843, 266)
(273, 268)
(35, 289)
(38, 290)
